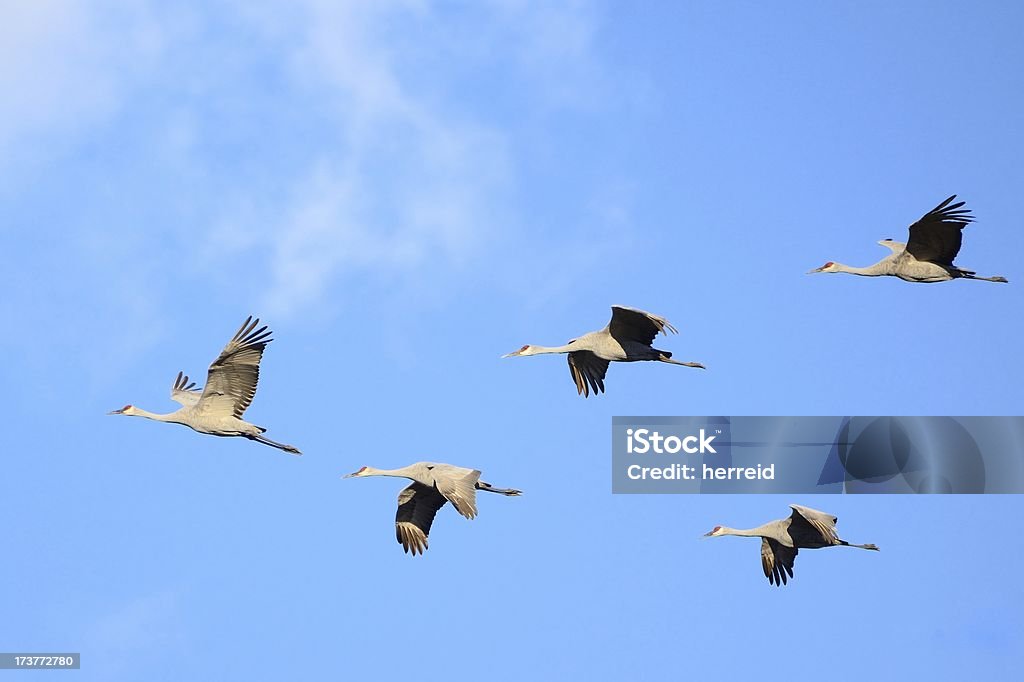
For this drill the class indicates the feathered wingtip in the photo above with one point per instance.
(248, 337)
(181, 383)
(954, 212)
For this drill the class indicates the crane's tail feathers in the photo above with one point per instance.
(667, 357)
(274, 444)
(487, 487)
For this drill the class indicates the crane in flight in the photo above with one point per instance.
(928, 257)
(805, 528)
(230, 386)
(626, 338)
(432, 485)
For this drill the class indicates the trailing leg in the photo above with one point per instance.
(665, 356)
(274, 444)
(487, 487)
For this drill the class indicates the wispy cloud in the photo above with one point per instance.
(64, 67)
(67, 71)
(327, 143)
(554, 43)
(409, 183)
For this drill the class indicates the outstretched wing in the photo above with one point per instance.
(630, 324)
(777, 561)
(810, 527)
(185, 392)
(587, 371)
(458, 486)
(231, 382)
(417, 506)
(936, 237)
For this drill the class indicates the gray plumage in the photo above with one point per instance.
(626, 338)
(781, 540)
(433, 484)
(231, 383)
(928, 256)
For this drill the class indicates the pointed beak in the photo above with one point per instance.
(116, 412)
(811, 272)
(509, 355)
(352, 475)
(708, 534)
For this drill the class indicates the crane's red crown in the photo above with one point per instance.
(828, 265)
(126, 408)
(524, 348)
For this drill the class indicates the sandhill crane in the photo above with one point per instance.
(928, 256)
(433, 485)
(805, 528)
(230, 386)
(626, 338)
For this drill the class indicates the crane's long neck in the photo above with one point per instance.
(542, 350)
(404, 472)
(742, 532)
(171, 417)
(876, 270)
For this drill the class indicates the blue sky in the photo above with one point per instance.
(407, 190)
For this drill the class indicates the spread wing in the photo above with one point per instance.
(630, 324)
(458, 488)
(777, 561)
(231, 382)
(417, 506)
(810, 527)
(936, 237)
(587, 371)
(185, 392)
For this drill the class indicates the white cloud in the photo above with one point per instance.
(554, 42)
(62, 69)
(399, 176)
(411, 184)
